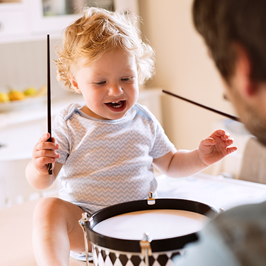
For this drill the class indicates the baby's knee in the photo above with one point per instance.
(48, 209)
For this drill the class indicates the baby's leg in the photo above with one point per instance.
(56, 231)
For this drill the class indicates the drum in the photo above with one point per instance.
(144, 233)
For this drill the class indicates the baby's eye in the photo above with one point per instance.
(100, 82)
(127, 79)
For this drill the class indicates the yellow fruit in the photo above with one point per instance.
(16, 95)
(4, 97)
(30, 91)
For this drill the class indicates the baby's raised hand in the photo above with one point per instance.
(44, 153)
(215, 147)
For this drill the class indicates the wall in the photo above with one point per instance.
(24, 64)
(182, 67)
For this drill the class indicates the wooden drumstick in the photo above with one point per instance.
(203, 106)
(49, 166)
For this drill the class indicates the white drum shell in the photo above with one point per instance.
(108, 257)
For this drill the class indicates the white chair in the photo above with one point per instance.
(253, 166)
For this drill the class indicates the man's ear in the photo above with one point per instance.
(247, 87)
(74, 83)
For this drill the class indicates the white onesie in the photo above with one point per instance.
(106, 162)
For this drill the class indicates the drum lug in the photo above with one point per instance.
(146, 248)
(150, 200)
(82, 222)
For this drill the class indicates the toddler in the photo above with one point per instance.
(104, 151)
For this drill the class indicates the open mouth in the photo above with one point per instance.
(117, 106)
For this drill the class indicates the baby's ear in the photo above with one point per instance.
(74, 83)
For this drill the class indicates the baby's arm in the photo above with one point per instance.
(37, 171)
(183, 163)
(180, 163)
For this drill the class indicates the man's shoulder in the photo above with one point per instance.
(247, 212)
(243, 230)
(241, 219)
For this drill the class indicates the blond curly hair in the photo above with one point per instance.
(97, 32)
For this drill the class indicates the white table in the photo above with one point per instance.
(217, 191)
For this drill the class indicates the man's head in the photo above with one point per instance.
(234, 32)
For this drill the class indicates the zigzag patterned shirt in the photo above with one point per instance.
(106, 162)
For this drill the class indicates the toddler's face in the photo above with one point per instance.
(109, 85)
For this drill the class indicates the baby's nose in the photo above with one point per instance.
(115, 90)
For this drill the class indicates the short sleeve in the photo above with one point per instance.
(60, 133)
(162, 145)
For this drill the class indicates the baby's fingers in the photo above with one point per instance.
(220, 133)
(208, 141)
(45, 145)
(44, 137)
(229, 141)
(44, 157)
(42, 161)
(231, 149)
(225, 137)
(46, 154)
(41, 164)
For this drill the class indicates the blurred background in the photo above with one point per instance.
(182, 67)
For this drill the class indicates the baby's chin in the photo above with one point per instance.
(114, 116)
(107, 115)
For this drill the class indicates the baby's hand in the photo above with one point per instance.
(44, 153)
(215, 147)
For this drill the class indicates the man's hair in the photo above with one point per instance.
(223, 23)
(97, 32)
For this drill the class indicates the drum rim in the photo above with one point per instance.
(157, 245)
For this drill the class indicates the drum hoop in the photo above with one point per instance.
(157, 245)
